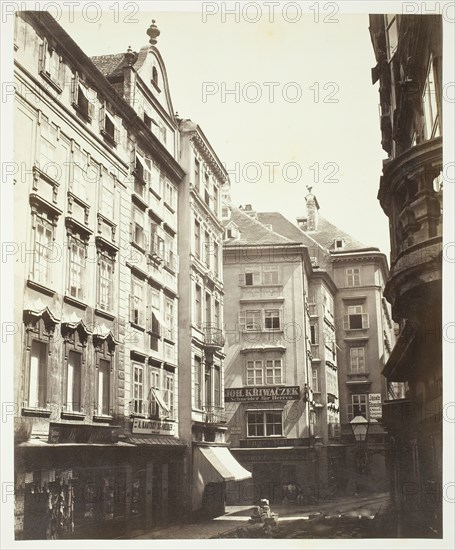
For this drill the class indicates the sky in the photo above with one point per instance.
(302, 109)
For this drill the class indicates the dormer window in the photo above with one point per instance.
(339, 243)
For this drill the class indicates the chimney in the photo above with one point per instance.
(312, 208)
(248, 209)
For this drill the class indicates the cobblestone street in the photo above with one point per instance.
(293, 522)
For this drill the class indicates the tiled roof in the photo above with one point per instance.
(324, 236)
(110, 65)
(253, 231)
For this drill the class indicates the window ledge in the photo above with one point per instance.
(104, 313)
(41, 288)
(107, 137)
(138, 247)
(136, 326)
(169, 207)
(74, 301)
(155, 193)
(139, 200)
(51, 82)
(31, 411)
(102, 418)
(72, 415)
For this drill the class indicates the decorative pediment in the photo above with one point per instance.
(103, 334)
(73, 323)
(37, 310)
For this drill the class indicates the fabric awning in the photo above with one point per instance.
(225, 466)
(159, 399)
(159, 440)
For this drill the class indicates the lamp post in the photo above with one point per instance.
(359, 426)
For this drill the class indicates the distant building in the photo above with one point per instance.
(270, 410)
(352, 335)
(408, 50)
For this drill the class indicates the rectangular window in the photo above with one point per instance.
(107, 195)
(169, 394)
(357, 359)
(272, 319)
(103, 387)
(359, 405)
(198, 306)
(314, 333)
(138, 389)
(137, 302)
(315, 379)
(138, 233)
(155, 385)
(37, 388)
(50, 63)
(356, 319)
(197, 238)
(73, 381)
(79, 176)
(217, 387)
(76, 268)
(105, 282)
(353, 276)
(216, 314)
(208, 310)
(270, 274)
(48, 146)
(264, 423)
(169, 197)
(43, 236)
(169, 319)
(252, 276)
(273, 371)
(254, 373)
(207, 250)
(215, 199)
(197, 171)
(253, 320)
(197, 379)
(430, 106)
(391, 34)
(216, 258)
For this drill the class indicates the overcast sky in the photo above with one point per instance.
(305, 112)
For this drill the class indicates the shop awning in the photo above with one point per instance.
(156, 394)
(223, 463)
(159, 440)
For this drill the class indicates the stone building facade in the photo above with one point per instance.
(408, 50)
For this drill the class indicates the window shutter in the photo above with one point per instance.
(91, 109)
(131, 231)
(74, 88)
(116, 134)
(242, 279)
(365, 320)
(176, 263)
(43, 54)
(346, 322)
(101, 116)
(132, 158)
(132, 309)
(61, 72)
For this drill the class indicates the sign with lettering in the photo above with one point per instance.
(82, 433)
(235, 430)
(375, 406)
(153, 427)
(274, 442)
(262, 393)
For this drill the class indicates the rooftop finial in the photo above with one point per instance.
(309, 188)
(153, 32)
(129, 56)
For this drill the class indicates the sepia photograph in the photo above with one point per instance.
(223, 309)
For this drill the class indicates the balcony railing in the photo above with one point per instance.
(214, 414)
(213, 336)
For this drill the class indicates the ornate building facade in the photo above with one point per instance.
(408, 50)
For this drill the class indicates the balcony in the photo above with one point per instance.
(213, 337)
(413, 202)
(214, 414)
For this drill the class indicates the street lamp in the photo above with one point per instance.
(359, 426)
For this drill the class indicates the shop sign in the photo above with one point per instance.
(153, 427)
(374, 406)
(262, 393)
(235, 430)
(82, 433)
(273, 442)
